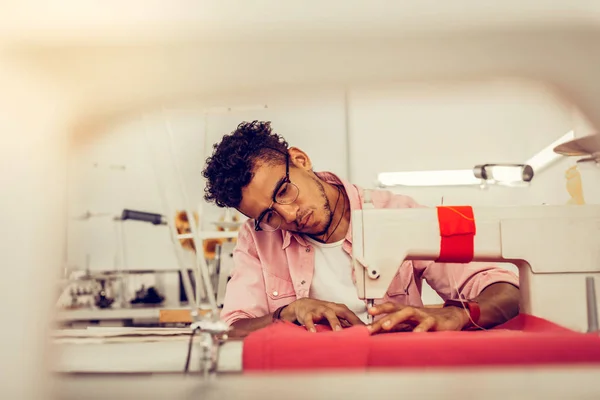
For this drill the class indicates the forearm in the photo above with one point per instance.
(284, 313)
(248, 325)
(498, 303)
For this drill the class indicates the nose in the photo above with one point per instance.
(288, 212)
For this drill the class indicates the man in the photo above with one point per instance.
(293, 255)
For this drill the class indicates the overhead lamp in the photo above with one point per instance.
(547, 156)
(461, 177)
(504, 173)
(480, 175)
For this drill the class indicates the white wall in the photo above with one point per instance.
(356, 133)
(429, 126)
(108, 173)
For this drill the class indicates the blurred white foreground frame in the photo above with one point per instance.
(466, 177)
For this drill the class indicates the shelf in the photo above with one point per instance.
(204, 235)
(112, 314)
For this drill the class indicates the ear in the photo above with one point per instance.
(299, 159)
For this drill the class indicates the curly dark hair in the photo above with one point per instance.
(231, 166)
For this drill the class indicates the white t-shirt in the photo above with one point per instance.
(332, 279)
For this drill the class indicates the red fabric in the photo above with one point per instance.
(457, 232)
(525, 340)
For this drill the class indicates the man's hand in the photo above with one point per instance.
(309, 311)
(402, 318)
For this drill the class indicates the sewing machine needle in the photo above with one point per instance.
(370, 303)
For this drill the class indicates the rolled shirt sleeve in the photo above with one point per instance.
(466, 281)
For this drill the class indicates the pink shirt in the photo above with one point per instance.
(273, 269)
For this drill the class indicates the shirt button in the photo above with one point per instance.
(303, 282)
(275, 293)
(308, 249)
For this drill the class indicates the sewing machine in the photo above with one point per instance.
(84, 67)
(555, 247)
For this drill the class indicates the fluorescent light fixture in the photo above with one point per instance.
(547, 156)
(460, 177)
(509, 175)
(504, 173)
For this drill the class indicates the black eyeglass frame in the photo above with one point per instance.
(285, 180)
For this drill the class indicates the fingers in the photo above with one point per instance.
(345, 323)
(385, 308)
(309, 319)
(337, 315)
(309, 322)
(349, 316)
(388, 322)
(399, 317)
(344, 313)
(334, 322)
(426, 324)
(354, 320)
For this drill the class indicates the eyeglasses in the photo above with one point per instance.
(285, 193)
